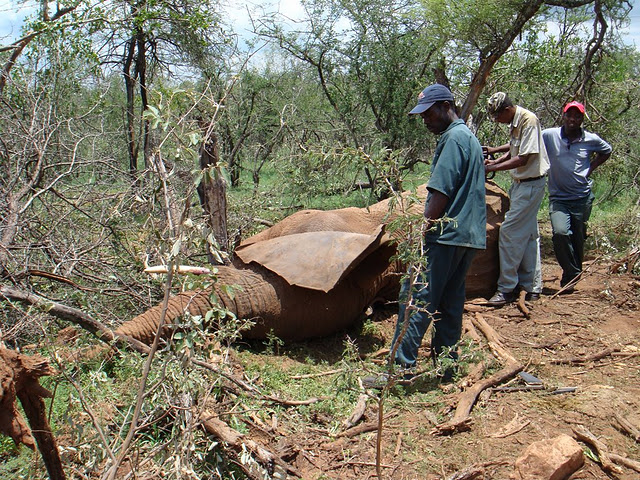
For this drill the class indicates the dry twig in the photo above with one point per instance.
(627, 427)
(582, 433)
(587, 359)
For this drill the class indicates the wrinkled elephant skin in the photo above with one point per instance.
(315, 273)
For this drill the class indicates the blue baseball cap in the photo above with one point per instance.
(430, 95)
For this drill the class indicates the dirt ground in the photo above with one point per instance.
(600, 318)
(602, 313)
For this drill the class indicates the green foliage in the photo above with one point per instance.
(273, 344)
(324, 115)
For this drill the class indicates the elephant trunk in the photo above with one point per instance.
(276, 307)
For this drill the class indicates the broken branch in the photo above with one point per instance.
(587, 359)
(627, 427)
(493, 339)
(461, 420)
(582, 433)
(237, 441)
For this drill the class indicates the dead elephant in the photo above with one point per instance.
(315, 273)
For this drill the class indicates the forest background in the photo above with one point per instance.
(114, 114)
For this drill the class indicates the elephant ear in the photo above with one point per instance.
(315, 260)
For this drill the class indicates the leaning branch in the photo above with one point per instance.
(19, 45)
(72, 315)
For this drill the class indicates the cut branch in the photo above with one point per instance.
(582, 433)
(461, 420)
(19, 376)
(587, 359)
(238, 443)
(627, 427)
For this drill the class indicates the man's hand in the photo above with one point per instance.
(487, 151)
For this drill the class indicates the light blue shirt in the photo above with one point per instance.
(570, 162)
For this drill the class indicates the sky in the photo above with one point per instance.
(12, 13)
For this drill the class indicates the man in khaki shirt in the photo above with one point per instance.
(519, 241)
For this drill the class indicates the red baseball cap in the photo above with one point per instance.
(573, 104)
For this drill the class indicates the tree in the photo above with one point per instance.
(150, 37)
(371, 58)
(368, 58)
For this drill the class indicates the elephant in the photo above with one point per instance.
(314, 273)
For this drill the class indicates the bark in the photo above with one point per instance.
(490, 55)
(19, 376)
(213, 193)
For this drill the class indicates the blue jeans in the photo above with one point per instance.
(440, 294)
(569, 225)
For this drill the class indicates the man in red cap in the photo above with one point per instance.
(574, 154)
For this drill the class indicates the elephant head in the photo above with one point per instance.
(315, 273)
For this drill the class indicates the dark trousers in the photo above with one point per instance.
(440, 294)
(569, 226)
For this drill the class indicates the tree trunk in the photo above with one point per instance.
(19, 376)
(141, 75)
(491, 55)
(212, 191)
(129, 84)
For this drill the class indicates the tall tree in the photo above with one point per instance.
(151, 38)
(371, 57)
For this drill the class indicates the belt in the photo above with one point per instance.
(531, 179)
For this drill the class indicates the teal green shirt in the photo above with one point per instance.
(458, 172)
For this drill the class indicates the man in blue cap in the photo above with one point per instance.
(456, 192)
(574, 154)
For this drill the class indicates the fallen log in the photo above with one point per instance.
(238, 443)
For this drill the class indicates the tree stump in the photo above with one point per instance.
(19, 376)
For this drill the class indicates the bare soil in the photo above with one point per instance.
(600, 318)
(603, 313)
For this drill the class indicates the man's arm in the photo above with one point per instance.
(598, 160)
(491, 150)
(506, 162)
(436, 203)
